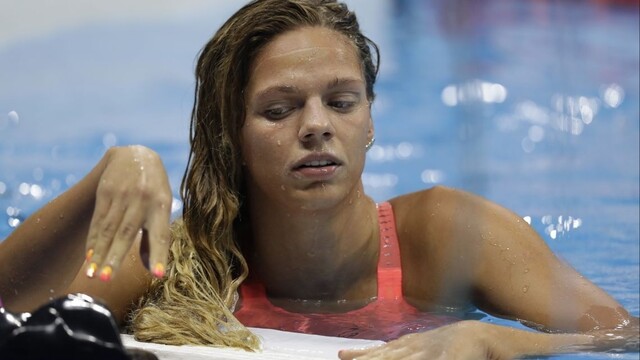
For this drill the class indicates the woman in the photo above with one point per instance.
(274, 206)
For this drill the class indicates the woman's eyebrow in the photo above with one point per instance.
(276, 89)
(337, 82)
(292, 89)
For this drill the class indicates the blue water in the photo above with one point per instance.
(532, 104)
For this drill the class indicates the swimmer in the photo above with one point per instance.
(274, 206)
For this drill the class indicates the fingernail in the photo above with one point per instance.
(91, 270)
(105, 273)
(89, 254)
(158, 270)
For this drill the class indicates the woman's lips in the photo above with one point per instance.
(316, 167)
(324, 172)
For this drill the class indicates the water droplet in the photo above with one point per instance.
(283, 188)
(51, 291)
(109, 140)
(14, 222)
(526, 270)
(13, 117)
(279, 143)
(38, 221)
(525, 288)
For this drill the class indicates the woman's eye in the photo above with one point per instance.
(277, 113)
(342, 105)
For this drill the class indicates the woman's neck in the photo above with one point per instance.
(322, 255)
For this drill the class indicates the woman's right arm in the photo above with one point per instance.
(103, 215)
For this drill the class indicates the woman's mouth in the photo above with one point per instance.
(318, 163)
(316, 168)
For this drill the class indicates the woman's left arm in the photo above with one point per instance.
(509, 271)
(517, 276)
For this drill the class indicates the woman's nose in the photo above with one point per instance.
(315, 123)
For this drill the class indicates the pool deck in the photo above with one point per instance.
(276, 345)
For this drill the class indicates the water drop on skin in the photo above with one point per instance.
(525, 289)
(279, 143)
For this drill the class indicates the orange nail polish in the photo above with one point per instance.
(105, 273)
(158, 270)
(91, 270)
(89, 254)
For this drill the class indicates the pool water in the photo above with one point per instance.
(533, 104)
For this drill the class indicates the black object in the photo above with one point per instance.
(73, 327)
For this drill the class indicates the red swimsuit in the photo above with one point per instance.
(386, 318)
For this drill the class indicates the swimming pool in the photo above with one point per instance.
(533, 104)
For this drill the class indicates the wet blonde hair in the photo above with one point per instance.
(193, 303)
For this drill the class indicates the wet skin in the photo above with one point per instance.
(308, 121)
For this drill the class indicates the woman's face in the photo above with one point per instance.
(307, 121)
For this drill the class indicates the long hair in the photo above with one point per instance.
(193, 303)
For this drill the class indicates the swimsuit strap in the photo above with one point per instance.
(389, 266)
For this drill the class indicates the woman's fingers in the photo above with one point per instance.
(133, 196)
(128, 229)
(101, 236)
(158, 237)
(351, 354)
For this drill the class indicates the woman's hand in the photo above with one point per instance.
(133, 197)
(471, 340)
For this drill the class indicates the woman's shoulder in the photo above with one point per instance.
(433, 202)
(429, 218)
(425, 217)
(427, 223)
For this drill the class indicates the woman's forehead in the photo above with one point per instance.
(306, 37)
(308, 51)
